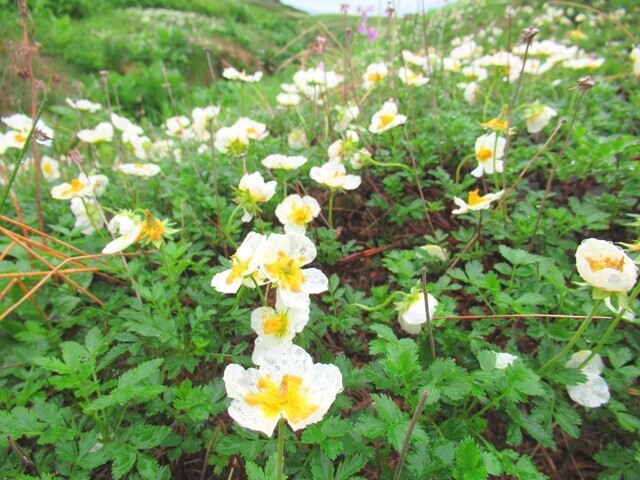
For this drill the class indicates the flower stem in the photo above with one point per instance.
(389, 165)
(573, 340)
(425, 292)
(407, 438)
(611, 328)
(174, 294)
(280, 468)
(331, 194)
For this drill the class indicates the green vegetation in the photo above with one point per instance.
(159, 347)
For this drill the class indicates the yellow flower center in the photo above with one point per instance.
(251, 131)
(237, 270)
(300, 214)
(290, 398)
(475, 199)
(76, 186)
(496, 124)
(19, 138)
(287, 271)
(484, 154)
(276, 324)
(385, 120)
(47, 168)
(597, 264)
(374, 77)
(139, 166)
(152, 229)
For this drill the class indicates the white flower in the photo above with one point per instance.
(84, 105)
(124, 124)
(123, 222)
(605, 266)
(78, 187)
(22, 124)
(287, 385)
(201, 121)
(387, 117)
(103, 132)
(489, 152)
(253, 190)
(139, 169)
(244, 265)
(412, 313)
(284, 162)
(635, 58)
(341, 148)
(178, 127)
(538, 116)
(233, 140)
(594, 392)
(374, 74)
(470, 92)
(253, 130)
(231, 73)
(275, 327)
(475, 202)
(282, 262)
(83, 222)
(50, 168)
(288, 99)
(411, 78)
(295, 212)
(360, 158)
(435, 251)
(149, 230)
(503, 360)
(414, 59)
(297, 139)
(334, 175)
(346, 115)
(98, 183)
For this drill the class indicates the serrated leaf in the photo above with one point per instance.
(144, 436)
(487, 360)
(371, 427)
(350, 466)
(254, 472)
(469, 463)
(567, 376)
(147, 467)
(516, 256)
(386, 409)
(123, 457)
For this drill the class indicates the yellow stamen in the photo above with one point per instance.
(374, 77)
(597, 264)
(152, 229)
(76, 186)
(19, 138)
(290, 398)
(287, 271)
(276, 324)
(301, 214)
(385, 120)
(475, 199)
(47, 168)
(484, 154)
(237, 270)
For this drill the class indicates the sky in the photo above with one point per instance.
(333, 6)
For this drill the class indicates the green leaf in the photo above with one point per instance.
(123, 457)
(469, 463)
(350, 466)
(147, 467)
(386, 408)
(567, 376)
(144, 436)
(517, 256)
(487, 360)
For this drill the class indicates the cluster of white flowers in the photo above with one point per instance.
(286, 384)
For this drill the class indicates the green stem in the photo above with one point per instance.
(407, 438)
(331, 194)
(573, 340)
(367, 308)
(280, 468)
(389, 165)
(174, 294)
(611, 328)
(230, 221)
(425, 292)
(262, 297)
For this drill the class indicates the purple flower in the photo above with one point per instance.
(372, 33)
(362, 28)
